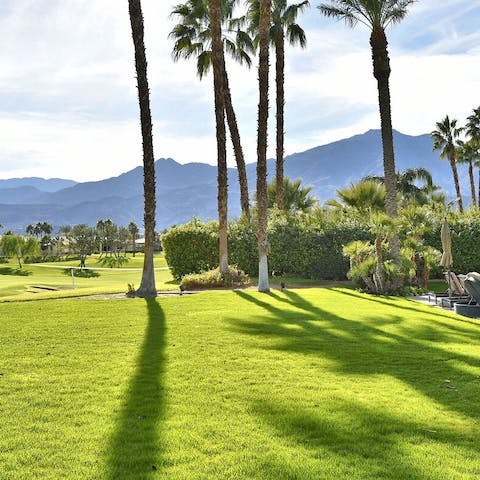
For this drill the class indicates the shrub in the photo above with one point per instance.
(191, 248)
(215, 279)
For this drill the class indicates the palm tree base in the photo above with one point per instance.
(144, 293)
(263, 283)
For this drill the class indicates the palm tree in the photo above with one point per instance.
(133, 230)
(362, 197)
(147, 285)
(295, 197)
(444, 139)
(407, 184)
(193, 37)
(218, 61)
(467, 153)
(283, 24)
(263, 41)
(377, 15)
(473, 132)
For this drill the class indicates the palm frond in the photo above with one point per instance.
(204, 63)
(296, 35)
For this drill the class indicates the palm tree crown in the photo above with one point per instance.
(193, 36)
(445, 135)
(372, 13)
(473, 125)
(408, 184)
(363, 197)
(296, 198)
(444, 138)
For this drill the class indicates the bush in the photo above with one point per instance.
(215, 279)
(191, 248)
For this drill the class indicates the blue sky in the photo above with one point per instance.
(68, 104)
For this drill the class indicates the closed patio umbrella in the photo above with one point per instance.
(447, 258)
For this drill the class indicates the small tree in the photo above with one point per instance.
(19, 246)
(83, 241)
(133, 230)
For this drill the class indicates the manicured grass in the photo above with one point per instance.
(136, 261)
(302, 384)
(40, 281)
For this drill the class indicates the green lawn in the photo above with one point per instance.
(41, 281)
(302, 384)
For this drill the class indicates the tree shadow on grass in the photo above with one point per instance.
(135, 447)
(368, 442)
(15, 272)
(364, 348)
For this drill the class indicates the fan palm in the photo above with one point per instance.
(362, 197)
(444, 138)
(377, 15)
(147, 285)
(193, 38)
(283, 25)
(467, 153)
(263, 67)
(295, 197)
(407, 184)
(218, 62)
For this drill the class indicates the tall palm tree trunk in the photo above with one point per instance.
(381, 71)
(472, 184)
(237, 148)
(453, 165)
(147, 286)
(218, 63)
(264, 25)
(379, 274)
(280, 84)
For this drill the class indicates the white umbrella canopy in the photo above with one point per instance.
(447, 258)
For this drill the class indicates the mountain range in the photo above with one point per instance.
(188, 190)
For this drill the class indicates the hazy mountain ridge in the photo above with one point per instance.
(187, 190)
(41, 184)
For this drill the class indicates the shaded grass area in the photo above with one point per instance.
(16, 284)
(305, 384)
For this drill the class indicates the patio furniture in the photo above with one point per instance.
(455, 293)
(472, 285)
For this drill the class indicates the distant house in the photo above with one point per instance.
(140, 244)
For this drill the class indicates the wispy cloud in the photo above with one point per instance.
(68, 103)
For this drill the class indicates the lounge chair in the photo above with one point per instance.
(455, 291)
(472, 286)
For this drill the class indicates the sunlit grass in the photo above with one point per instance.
(302, 384)
(41, 281)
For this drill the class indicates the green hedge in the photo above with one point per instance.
(300, 248)
(465, 234)
(295, 248)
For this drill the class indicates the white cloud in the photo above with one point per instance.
(68, 103)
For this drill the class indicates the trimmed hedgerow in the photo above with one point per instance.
(296, 248)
